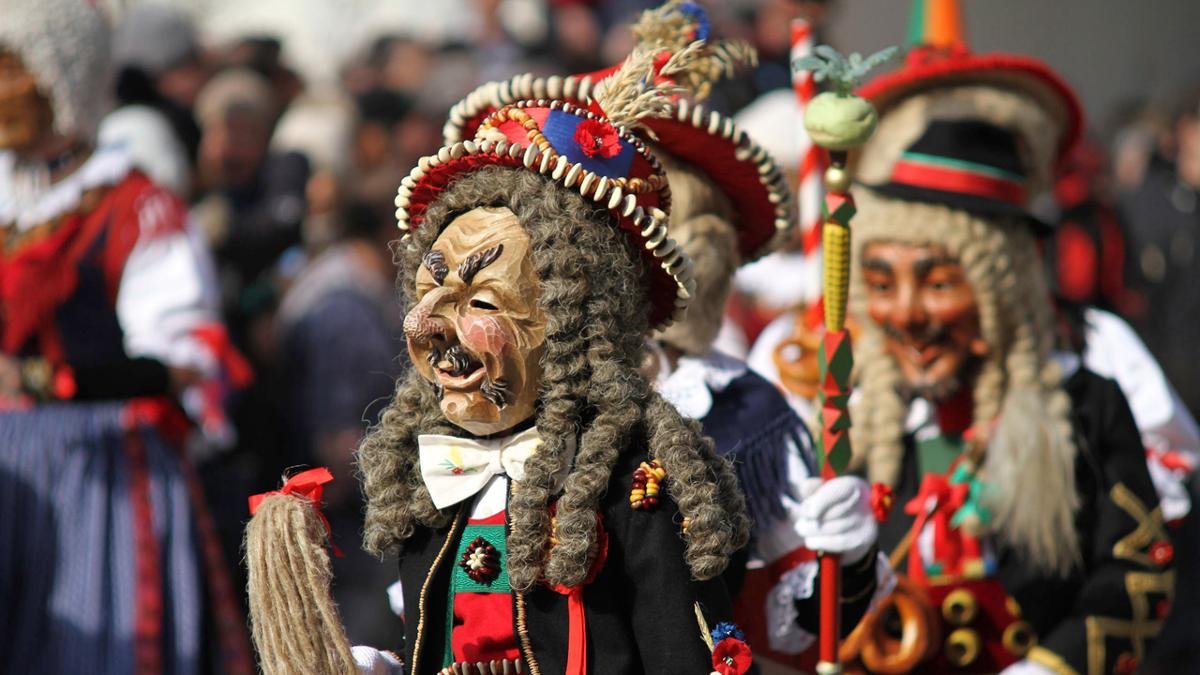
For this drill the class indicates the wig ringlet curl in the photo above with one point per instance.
(593, 297)
(1021, 412)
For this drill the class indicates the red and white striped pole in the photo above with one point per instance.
(808, 189)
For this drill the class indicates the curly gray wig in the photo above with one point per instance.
(592, 294)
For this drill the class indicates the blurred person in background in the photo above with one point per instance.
(1164, 231)
(338, 333)
(253, 201)
(108, 560)
(161, 65)
(376, 162)
(577, 35)
(1139, 140)
(770, 22)
(320, 127)
(264, 55)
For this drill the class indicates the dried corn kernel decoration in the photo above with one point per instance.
(647, 480)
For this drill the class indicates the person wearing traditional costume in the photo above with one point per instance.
(551, 512)
(1105, 344)
(109, 562)
(729, 203)
(1030, 536)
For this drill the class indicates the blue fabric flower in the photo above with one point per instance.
(727, 629)
(697, 13)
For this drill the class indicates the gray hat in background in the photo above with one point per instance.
(154, 38)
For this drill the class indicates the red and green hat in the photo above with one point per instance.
(940, 57)
(708, 140)
(580, 149)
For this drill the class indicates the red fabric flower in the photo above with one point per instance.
(598, 139)
(1162, 609)
(1126, 664)
(731, 656)
(1162, 553)
(882, 500)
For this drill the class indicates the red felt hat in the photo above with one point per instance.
(706, 139)
(931, 67)
(581, 150)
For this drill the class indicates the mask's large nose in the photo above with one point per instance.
(421, 326)
(908, 313)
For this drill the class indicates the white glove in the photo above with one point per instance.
(835, 517)
(371, 661)
(1024, 667)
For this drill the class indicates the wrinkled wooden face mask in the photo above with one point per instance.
(477, 332)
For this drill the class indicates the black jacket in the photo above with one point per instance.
(1110, 607)
(641, 609)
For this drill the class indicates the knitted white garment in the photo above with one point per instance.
(65, 44)
(26, 200)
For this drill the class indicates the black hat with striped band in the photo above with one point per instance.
(968, 164)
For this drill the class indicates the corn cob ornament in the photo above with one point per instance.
(838, 121)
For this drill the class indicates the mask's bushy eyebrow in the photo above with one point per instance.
(925, 265)
(477, 261)
(435, 262)
(877, 265)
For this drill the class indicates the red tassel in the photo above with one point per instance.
(577, 633)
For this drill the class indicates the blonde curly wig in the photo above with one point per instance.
(1021, 412)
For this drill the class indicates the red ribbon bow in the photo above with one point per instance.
(307, 485)
(576, 617)
(936, 503)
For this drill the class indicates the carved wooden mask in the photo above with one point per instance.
(477, 332)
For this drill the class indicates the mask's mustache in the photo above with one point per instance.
(461, 362)
(496, 391)
(457, 357)
(931, 333)
(933, 391)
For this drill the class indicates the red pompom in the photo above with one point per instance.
(882, 499)
(598, 139)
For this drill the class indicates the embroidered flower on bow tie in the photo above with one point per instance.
(454, 462)
(598, 139)
(480, 561)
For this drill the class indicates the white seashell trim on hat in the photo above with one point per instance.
(619, 195)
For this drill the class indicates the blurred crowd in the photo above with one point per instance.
(290, 184)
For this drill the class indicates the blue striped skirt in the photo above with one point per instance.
(100, 570)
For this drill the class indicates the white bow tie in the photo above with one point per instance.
(455, 469)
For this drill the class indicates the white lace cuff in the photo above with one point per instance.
(783, 633)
